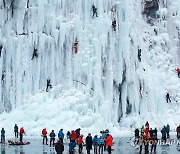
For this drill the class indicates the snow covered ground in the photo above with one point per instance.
(121, 146)
(103, 85)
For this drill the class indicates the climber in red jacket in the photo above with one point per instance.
(178, 71)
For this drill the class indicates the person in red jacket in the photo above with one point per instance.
(109, 143)
(44, 134)
(21, 133)
(80, 143)
(178, 71)
(73, 136)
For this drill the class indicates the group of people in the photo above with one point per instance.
(17, 133)
(100, 144)
(147, 135)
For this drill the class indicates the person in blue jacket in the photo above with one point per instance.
(71, 147)
(95, 143)
(52, 137)
(2, 135)
(163, 132)
(101, 144)
(61, 135)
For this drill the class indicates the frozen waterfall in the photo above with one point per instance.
(104, 85)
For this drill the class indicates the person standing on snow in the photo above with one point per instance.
(136, 132)
(167, 130)
(101, 144)
(44, 134)
(164, 132)
(16, 131)
(52, 137)
(95, 143)
(68, 135)
(178, 132)
(89, 143)
(59, 147)
(73, 136)
(147, 125)
(2, 135)
(78, 132)
(154, 142)
(21, 134)
(109, 143)
(80, 143)
(71, 147)
(61, 135)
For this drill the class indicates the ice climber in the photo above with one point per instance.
(76, 46)
(178, 132)
(80, 143)
(94, 10)
(59, 147)
(1, 49)
(16, 131)
(139, 54)
(178, 71)
(89, 143)
(109, 143)
(2, 135)
(61, 135)
(35, 54)
(168, 98)
(22, 132)
(52, 137)
(44, 135)
(114, 24)
(48, 84)
(95, 143)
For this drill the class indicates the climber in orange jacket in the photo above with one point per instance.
(109, 143)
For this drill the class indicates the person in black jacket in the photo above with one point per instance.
(52, 137)
(89, 143)
(59, 147)
(16, 131)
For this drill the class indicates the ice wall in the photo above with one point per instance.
(117, 86)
